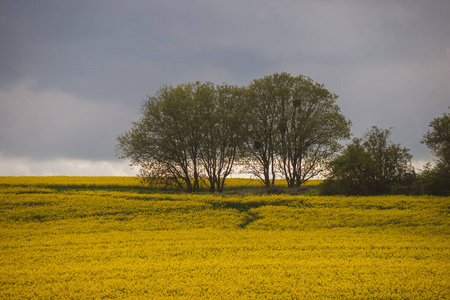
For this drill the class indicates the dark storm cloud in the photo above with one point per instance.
(70, 45)
(73, 73)
(111, 49)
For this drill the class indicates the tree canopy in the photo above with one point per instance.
(187, 133)
(438, 138)
(196, 133)
(436, 180)
(369, 165)
(295, 128)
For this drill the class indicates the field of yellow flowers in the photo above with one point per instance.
(105, 237)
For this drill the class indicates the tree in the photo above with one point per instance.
(370, 165)
(260, 160)
(165, 142)
(187, 133)
(222, 118)
(309, 127)
(438, 138)
(349, 171)
(295, 128)
(436, 180)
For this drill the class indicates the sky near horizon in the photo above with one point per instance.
(73, 74)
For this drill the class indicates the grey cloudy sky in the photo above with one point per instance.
(74, 73)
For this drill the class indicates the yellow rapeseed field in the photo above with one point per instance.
(106, 237)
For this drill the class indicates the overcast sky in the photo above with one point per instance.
(73, 74)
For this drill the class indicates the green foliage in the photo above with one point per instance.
(187, 133)
(436, 180)
(290, 125)
(295, 127)
(438, 138)
(222, 132)
(371, 165)
(160, 142)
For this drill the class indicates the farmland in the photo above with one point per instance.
(105, 237)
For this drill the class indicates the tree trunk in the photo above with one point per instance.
(212, 184)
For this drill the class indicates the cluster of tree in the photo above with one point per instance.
(197, 134)
(374, 165)
(200, 132)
